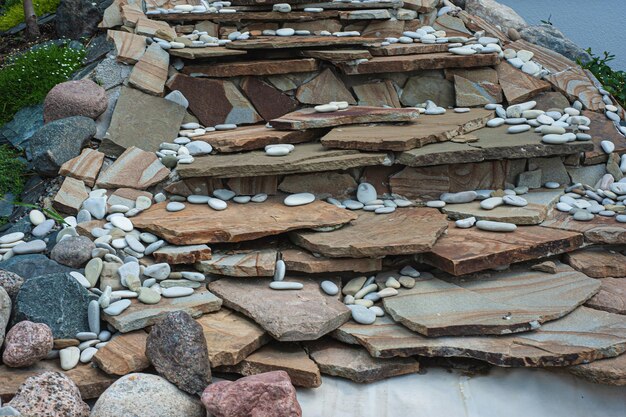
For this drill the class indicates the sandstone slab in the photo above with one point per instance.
(70, 196)
(606, 371)
(602, 129)
(306, 314)
(322, 184)
(600, 230)
(136, 169)
(310, 119)
(518, 86)
(150, 72)
(611, 297)
(268, 101)
(598, 262)
(476, 93)
(256, 263)
(175, 255)
(130, 47)
(324, 88)
(373, 236)
(123, 354)
(257, 68)
(84, 167)
(377, 94)
(297, 260)
(248, 138)
(288, 42)
(408, 49)
(206, 52)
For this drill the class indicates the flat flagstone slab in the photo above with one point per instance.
(501, 303)
(85, 166)
(601, 129)
(293, 16)
(600, 230)
(139, 315)
(428, 129)
(268, 100)
(310, 119)
(124, 354)
(70, 196)
(297, 260)
(575, 84)
(492, 144)
(407, 63)
(598, 262)
(129, 47)
(239, 222)
(373, 235)
(582, 336)
(278, 42)
(288, 357)
(230, 337)
(257, 68)
(257, 263)
(539, 205)
(248, 138)
(354, 363)
(307, 157)
(610, 371)
(324, 88)
(408, 49)
(150, 72)
(338, 54)
(136, 169)
(518, 86)
(611, 297)
(182, 254)
(378, 93)
(206, 52)
(464, 251)
(160, 122)
(91, 381)
(288, 316)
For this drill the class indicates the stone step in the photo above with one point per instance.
(258, 68)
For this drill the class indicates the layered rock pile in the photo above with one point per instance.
(280, 191)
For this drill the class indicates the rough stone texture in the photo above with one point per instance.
(146, 395)
(256, 263)
(124, 354)
(49, 394)
(247, 138)
(139, 316)
(611, 297)
(109, 73)
(288, 357)
(602, 129)
(136, 169)
(177, 349)
(129, 47)
(29, 266)
(11, 283)
(423, 62)
(72, 251)
(26, 343)
(104, 120)
(182, 254)
(518, 86)
(268, 101)
(215, 101)
(298, 260)
(431, 85)
(5, 312)
(58, 142)
(476, 93)
(324, 88)
(238, 223)
(377, 94)
(84, 167)
(323, 184)
(372, 235)
(76, 19)
(57, 300)
(161, 120)
(266, 395)
(288, 316)
(24, 124)
(74, 98)
(606, 371)
(549, 36)
(150, 72)
(600, 230)
(582, 336)
(70, 197)
(453, 307)
(355, 364)
(496, 13)
(598, 262)
(230, 337)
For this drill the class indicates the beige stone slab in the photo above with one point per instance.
(408, 49)
(136, 169)
(612, 296)
(297, 260)
(373, 235)
(277, 42)
(230, 337)
(518, 86)
(85, 166)
(188, 254)
(70, 196)
(149, 27)
(310, 119)
(257, 263)
(130, 47)
(248, 138)
(150, 72)
(322, 89)
(123, 354)
(377, 94)
(598, 262)
(606, 371)
(206, 52)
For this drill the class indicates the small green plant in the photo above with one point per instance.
(27, 77)
(12, 171)
(613, 81)
(14, 12)
(51, 213)
(547, 22)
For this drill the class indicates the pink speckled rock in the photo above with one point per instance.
(49, 394)
(270, 394)
(26, 343)
(75, 98)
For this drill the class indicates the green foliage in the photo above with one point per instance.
(12, 171)
(26, 78)
(14, 12)
(613, 81)
(51, 213)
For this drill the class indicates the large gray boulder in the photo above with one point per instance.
(496, 13)
(34, 265)
(76, 19)
(553, 39)
(59, 141)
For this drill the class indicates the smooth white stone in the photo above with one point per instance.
(117, 307)
(436, 204)
(148, 237)
(242, 199)
(226, 126)
(259, 198)
(299, 199)
(495, 226)
(36, 217)
(217, 204)
(607, 146)
(11, 238)
(224, 194)
(460, 51)
(462, 110)
(551, 185)
(514, 200)
(285, 285)
(193, 276)
(285, 32)
(279, 270)
(491, 203)
(277, 151)
(198, 199)
(198, 147)
(329, 287)
(174, 292)
(362, 314)
(353, 205)
(496, 122)
(564, 207)
(159, 271)
(458, 198)
(555, 139)
(87, 354)
(33, 246)
(123, 223)
(81, 279)
(69, 357)
(384, 210)
(465, 223)
(518, 129)
(326, 108)
(174, 206)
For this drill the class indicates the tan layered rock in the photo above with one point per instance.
(150, 72)
(70, 196)
(297, 260)
(324, 88)
(322, 184)
(134, 169)
(84, 167)
(611, 297)
(256, 263)
(598, 262)
(129, 47)
(182, 254)
(124, 354)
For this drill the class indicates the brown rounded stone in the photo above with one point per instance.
(63, 343)
(75, 98)
(74, 252)
(27, 343)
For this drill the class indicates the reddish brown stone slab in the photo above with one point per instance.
(598, 262)
(124, 354)
(373, 235)
(198, 186)
(182, 254)
(339, 185)
(214, 101)
(207, 52)
(428, 129)
(575, 84)
(91, 381)
(268, 101)
(518, 86)
(262, 184)
(297, 260)
(600, 230)
(338, 54)
(310, 119)
(612, 296)
(85, 166)
(256, 263)
(601, 129)
(258, 68)
(70, 196)
(378, 94)
(278, 42)
(135, 168)
(288, 357)
(324, 88)
(610, 371)
(379, 176)
(293, 16)
(238, 223)
(248, 138)
(463, 251)
(408, 49)
(406, 63)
